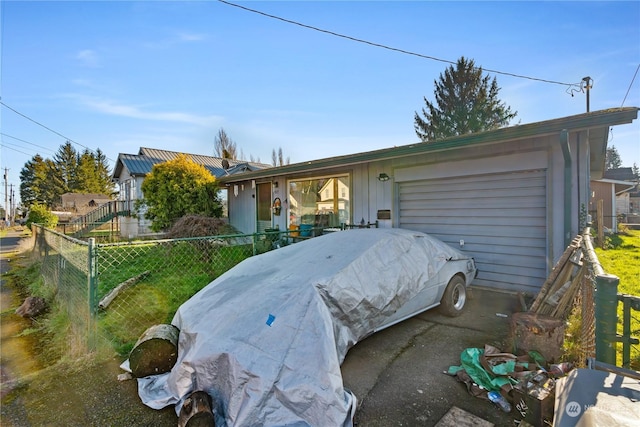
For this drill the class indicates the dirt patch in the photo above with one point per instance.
(85, 394)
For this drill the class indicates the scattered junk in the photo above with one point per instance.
(32, 307)
(523, 386)
(533, 385)
(545, 334)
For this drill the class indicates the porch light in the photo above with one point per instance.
(383, 177)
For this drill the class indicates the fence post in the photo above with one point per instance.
(92, 294)
(606, 317)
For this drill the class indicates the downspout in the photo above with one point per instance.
(566, 153)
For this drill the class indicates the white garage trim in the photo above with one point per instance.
(501, 217)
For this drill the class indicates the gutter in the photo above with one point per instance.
(566, 153)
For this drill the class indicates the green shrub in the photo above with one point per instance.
(39, 214)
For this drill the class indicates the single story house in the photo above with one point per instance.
(616, 191)
(80, 204)
(130, 170)
(512, 197)
(615, 197)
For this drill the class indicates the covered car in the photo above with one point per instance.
(266, 339)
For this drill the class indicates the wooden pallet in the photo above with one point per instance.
(560, 288)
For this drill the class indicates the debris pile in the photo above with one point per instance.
(199, 226)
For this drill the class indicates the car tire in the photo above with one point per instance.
(454, 298)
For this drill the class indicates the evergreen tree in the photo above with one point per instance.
(612, 158)
(45, 180)
(32, 177)
(93, 175)
(465, 102)
(66, 165)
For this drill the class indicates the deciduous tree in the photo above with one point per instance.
(176, 188)
(224, 147)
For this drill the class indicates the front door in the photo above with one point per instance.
(263, 206)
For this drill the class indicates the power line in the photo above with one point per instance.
(630, 84)
(433, 58)
(48, 128)
(13, 149)
(26, 142)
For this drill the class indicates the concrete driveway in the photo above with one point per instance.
(397, 374)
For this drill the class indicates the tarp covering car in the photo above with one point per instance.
(267, 338)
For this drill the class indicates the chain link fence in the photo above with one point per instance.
(65, 272)
(112, 292)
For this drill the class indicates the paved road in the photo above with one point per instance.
(9, 243)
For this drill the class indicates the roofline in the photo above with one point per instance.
(613, 116)
(615, 181)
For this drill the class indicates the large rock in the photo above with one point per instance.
(31, 307)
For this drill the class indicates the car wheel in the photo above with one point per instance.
(454, 298)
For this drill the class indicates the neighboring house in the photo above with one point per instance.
(81, 204)
(512, 197)
(615, 197)
(618, 190)
(130, 170)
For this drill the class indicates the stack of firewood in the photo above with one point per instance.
(556, 296)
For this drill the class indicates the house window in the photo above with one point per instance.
(320, 202)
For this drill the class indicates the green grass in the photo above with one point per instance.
(176, 271)
(622, 259)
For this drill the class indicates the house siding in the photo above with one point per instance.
(549, 165)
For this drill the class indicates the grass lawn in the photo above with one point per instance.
(622, 258)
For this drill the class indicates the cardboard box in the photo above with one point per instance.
(533, 400)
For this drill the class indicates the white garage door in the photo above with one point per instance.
(501, 217)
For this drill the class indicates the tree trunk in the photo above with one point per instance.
(196, 411)
(104, 302)
(155, 352)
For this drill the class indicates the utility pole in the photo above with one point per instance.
(6, 197)
(12, 204)
(588, 84)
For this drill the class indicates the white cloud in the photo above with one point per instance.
(88, 58)
(137, 112)
(190, 37)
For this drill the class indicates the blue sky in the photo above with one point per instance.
(119, 75)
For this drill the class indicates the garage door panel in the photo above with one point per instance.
(506, 282)
(529, 271)
(476, 194)
(487, 234)
(514, 212)
(501, 217)
(522, 218)
(516, 181)
(513, 202)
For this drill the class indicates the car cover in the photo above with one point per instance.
(266, 339)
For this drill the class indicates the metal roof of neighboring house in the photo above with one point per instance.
(620, 174)
(597, 122)
(141, 164)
